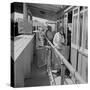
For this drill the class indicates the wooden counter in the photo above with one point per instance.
(22, 54)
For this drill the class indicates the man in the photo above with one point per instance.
(59, 41)
(49, 35)
(59, 38)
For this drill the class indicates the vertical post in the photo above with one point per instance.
(25, 16)
(62, 73)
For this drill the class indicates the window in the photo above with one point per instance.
(80, 28)
(80, 31)
(75, 23)
(81, 8)
(70, 17)
(75, 11)
(85, 34)
(75, 27)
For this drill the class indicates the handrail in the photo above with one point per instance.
(68, 65)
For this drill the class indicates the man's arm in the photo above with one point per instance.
(55, 41)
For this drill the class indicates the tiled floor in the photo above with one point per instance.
(39, 77)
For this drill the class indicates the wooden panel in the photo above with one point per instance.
(85, 68)
(80, 64)
(22, 65)
(19, 71)
(28, 56)
(73, 57)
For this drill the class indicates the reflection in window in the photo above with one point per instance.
(81, 27)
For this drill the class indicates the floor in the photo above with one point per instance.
(39, 77)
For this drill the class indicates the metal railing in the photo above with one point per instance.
(74, 73)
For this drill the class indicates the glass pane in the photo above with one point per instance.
(81, 8)
(74, 36)
(86, 29)
(73, 31)
(76, 29)
(81, 27)
(65, 24)
(75, 11)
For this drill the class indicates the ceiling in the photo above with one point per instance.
(45, 11)
(50, 7)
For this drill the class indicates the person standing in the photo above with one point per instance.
(59, 42)
(49, 36)
(59, 39)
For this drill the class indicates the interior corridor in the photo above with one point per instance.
(52, 35)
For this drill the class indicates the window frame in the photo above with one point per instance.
(73, 15)
(82, 48)
(81, 12)
(76, 46)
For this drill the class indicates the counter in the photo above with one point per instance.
(22, 54)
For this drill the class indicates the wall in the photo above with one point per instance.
(82, 66)
(73, 57)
